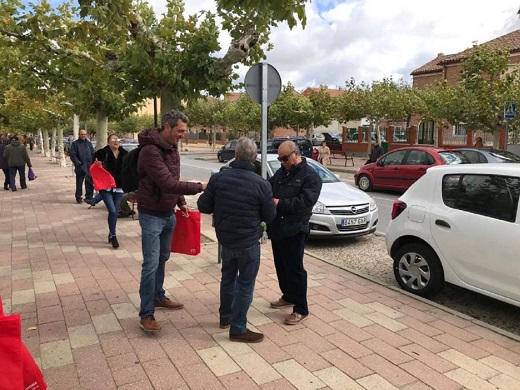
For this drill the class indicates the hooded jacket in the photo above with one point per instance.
(158, 168)
(16, 155)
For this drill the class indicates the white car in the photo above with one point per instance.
(341, 211)
(459, 224)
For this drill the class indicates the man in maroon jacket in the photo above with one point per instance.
(160, 190)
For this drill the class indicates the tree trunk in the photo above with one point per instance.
(39, 140)
(168, 102)
(75, 126)
(101, 131)
(496, 138)
(53, 146)
(61, 152)
(46, 143)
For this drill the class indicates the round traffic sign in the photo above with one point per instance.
(253, 83)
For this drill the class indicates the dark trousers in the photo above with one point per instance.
(89, 187)
(6, 180)
(292, 277)
(12, 177)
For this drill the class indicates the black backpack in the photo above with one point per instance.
(129, 176)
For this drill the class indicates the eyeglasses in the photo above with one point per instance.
(114, 139)
(285, 158)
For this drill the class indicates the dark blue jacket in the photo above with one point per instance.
(82, 156)
(298, 190)
(240, 200)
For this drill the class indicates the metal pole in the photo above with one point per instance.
(264, 119)
(155, 111)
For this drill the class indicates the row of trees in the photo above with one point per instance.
(487, 81)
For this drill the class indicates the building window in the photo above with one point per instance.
(425, 133)
(459, 129)
(400, 134)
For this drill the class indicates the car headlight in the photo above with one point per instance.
(372, 205)
(320, 208)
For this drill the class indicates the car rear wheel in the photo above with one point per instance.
(418, 270)
(364, 183)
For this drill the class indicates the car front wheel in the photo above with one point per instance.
(418, 270)
(364, 183)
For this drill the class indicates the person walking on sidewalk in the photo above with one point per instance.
(4, 141)
(160, 190)
(324, 154)
(17, 157)
(111, 157)
(240, 200)
(82, 156)
(296, 188)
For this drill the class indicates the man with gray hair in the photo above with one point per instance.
(240, 200)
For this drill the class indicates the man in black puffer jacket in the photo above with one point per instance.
(239, 200)
(296, 188)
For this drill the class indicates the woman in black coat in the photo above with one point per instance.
(111, 157)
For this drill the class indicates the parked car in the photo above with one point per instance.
(479, 156)
(130, 146)
(341, 211)
(459, 224)
(330, 138)
(303, 143)
(400, 168)
(227, 152)
(317, 138)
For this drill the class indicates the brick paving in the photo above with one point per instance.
(79, 302)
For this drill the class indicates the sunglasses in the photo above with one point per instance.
(114, 140)
(285, 158)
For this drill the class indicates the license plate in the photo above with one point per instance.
(353, 221)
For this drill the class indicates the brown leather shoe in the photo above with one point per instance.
(295, 318)
(148, 324)
(166, 303)
(248, 337)
(280, 303)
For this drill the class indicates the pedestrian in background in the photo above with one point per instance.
(82, 156)
(324, 154)
(4, 141)
(377, 151)
(160, 190)
(111, 158)
(239, 200)
(17, 157)
(479, 143)
(296, 189)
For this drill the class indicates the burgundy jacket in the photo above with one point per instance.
(158, 168)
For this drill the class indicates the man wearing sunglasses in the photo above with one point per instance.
(296, 188)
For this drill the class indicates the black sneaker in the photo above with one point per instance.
(114, 242)
(89, 201)
(78, 201)
(248, 337)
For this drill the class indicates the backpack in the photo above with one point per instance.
(129, 176)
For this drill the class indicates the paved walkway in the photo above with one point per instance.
(78, 299)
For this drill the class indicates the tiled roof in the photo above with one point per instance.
(509, 42)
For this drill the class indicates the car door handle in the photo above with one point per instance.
(442, 223)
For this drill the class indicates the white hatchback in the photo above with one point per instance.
(459, 224)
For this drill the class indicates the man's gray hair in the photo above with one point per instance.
(246, 149)
(172, 118)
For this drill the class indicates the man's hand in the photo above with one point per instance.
(185, 210)
(276, 201)
(204, 186)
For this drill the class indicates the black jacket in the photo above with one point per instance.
(82, 155)
(111, 163)
(239, 200)
(298, 190)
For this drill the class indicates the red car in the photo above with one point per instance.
(400, 168)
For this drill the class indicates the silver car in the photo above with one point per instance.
(341, 211)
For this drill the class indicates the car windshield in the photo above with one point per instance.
(452, 157)
(325, 175)
(505, 155)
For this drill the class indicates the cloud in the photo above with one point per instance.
(371, 39)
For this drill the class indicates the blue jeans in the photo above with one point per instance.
(156, 243)
(112, 200)
(12, 176)
(239, 270)
(89, 187)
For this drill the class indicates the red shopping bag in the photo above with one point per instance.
(186, 236)
(18, 370)
(101, 178)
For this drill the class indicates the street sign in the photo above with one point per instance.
(253, 83)
(509, 110)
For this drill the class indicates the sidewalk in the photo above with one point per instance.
(79, 297)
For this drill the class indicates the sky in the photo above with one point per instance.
(371, 39)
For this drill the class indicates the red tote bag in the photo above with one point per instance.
(18, 370)
(186, 236)
(101, 178)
